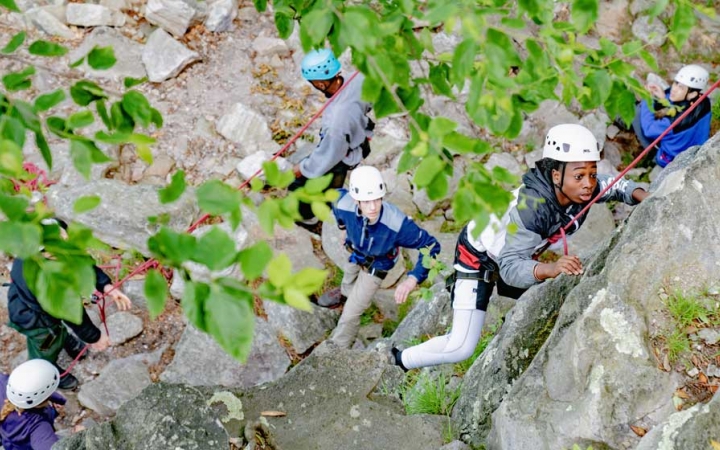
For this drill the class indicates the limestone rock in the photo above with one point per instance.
(341, 391)
(653, 78)
(221, 13)
(89, 15)
(173, 16)
(162, 417)
(302, 329)
(252, 163)
(128, 54)
(164, 57)
(613, 18)
(548, 114)
(120, 381)
(123, 326)
(242, 125)
(121, 219)
(596, 122)
(611, 153)
(267, 46)
(48, 23)
(455, 445)
(506, 161)
(200, 361)
(399, 191)
(333, 245)
(651, 32)
(390, 137)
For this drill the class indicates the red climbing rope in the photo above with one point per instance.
(634, 163)
(151, 263)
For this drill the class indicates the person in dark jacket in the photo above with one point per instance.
(554, 192)
(694, 129)
(344, 133)
(46, 335)
(28, 400)
(374, 232)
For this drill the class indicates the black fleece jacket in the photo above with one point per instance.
(26, 313)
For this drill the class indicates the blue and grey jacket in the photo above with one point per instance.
(692, 130)
(376, 246)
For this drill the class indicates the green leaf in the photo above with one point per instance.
(682, 24)
(144, 153)
(584, 14)
(428, 169)
(317, 23)
(28, 115)
(86, 203)
(631, 47)
(174, 190)
(156, 292)
(85, 92)
(230, 320)
(385, 104)
(649, 59)
(13, 129)
(18, 81)
(11, 158)
(215, 249)
(658, 7)
(254, 259)
(80, 119)
(321, 210)
(10, 4)
(279, 270)
(77, 63)
(463, 61)
(318, 185)
(60, 285)
(42, 144)
(15, 42)
(47, 101)
(440, 126)
(608, 47)
(600, 85)
(131, 82)
(20, 239)
(13, 206)
(439, 75)
(80, 153)
(216, 197)
(101, 58)
(309, 280)
(284, 24)
(121, 120)
(156, 118)
(293, 297)
(172, 246)
(137, 106)
(193, 303)
(45, 48)
(102, 112)
(260, 5)
(437, 189)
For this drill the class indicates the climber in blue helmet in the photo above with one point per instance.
(344, 134)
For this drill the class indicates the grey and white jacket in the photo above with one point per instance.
(345, 126)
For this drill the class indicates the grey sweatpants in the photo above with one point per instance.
(359, 287)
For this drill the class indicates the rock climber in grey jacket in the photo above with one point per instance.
(344, 132)
(561, 185)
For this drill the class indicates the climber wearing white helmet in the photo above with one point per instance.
(694, 129)
(554, 192)
(374, 233)
(344, 133)
(28, 414)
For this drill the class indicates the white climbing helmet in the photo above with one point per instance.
(366, 183)
(693, 76)
(31, 383)
(571, 143)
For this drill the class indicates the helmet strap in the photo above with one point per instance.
(559, 186)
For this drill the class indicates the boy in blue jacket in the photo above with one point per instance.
(374, 232)
(28, 413)
(694, 129)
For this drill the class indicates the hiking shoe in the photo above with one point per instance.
(68, 382)
(314, 228)
(397, 355)
(73, 347)
(331, 298)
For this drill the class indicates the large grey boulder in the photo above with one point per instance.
(302, 329)
(46, 22)
(598, 227)
(390, 137)
(162, 417)
(269, 46)
(89, 15)
(689, 429)
(551, 401)
(164, 57)
(200, 361)
(173, 16)
(123, 326)
(221, 13)
(329, 404)
(245, 126)
(120, 381)
(121, 219)
(128, 54)
(651, 31)
(506, 161)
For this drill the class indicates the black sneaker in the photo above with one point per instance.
(315, 228)
(397, 354)
(332, 298)
(73, 347)
(68, 382)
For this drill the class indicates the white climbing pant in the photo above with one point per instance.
(456, 346)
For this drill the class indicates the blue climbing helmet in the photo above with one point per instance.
(320, 65)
